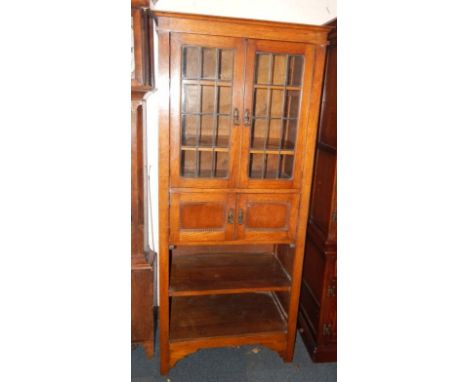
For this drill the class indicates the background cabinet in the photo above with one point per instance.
(239, 102)
(142, 257)
(318, 308)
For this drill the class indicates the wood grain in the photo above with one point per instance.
(243, 28)
(164, 132)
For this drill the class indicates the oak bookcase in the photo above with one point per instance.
(238, 111)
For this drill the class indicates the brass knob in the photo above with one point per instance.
(247, 117)
(235, 117)
(230, 218)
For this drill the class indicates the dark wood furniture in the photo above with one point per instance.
(238, 114)
(318, 309)
(142, 256)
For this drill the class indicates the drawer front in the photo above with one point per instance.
(267, 217)
(201, 217)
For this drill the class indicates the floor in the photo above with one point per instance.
(241, 364)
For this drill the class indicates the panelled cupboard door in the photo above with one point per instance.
(267, 217)
(278, 80)
(206, 102)
(201, 217)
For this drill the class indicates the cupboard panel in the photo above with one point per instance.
(267, 217)
(199, 217)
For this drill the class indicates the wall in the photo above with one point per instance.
(315, 12)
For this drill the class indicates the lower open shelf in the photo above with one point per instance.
(227, 315)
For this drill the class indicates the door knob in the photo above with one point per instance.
(235, 117)
(240, 217)
(230, 218)
(247, 117)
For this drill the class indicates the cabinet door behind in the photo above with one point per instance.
(275, 121)
(206, 102)
(201, 217)
(267, 217)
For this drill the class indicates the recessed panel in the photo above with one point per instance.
(267, 215)
(202, 215)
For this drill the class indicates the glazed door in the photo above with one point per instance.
(206, 104)
(278, 78)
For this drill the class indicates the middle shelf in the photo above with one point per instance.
(226, 273)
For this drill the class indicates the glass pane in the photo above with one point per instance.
(272, 166)
(208, 99)
(261, 102)
(263, 69)
(188, 163)
(224, 100)
(287, 165)
(277, 103)
(224, 131)
(189, 129)
(256, 165)
(206, 164)
(295, 70)
(289, 134)
(191, 99)
(279, 70)
(292, 104)
(206, 130)
(259, 133)
(209, 63)
(222, 162)
(226, 65)
(191, 57)
(274, 136)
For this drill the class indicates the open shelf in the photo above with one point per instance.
(229, 315)
(222, 273)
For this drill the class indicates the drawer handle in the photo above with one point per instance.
(230, 218)
(240, 217)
